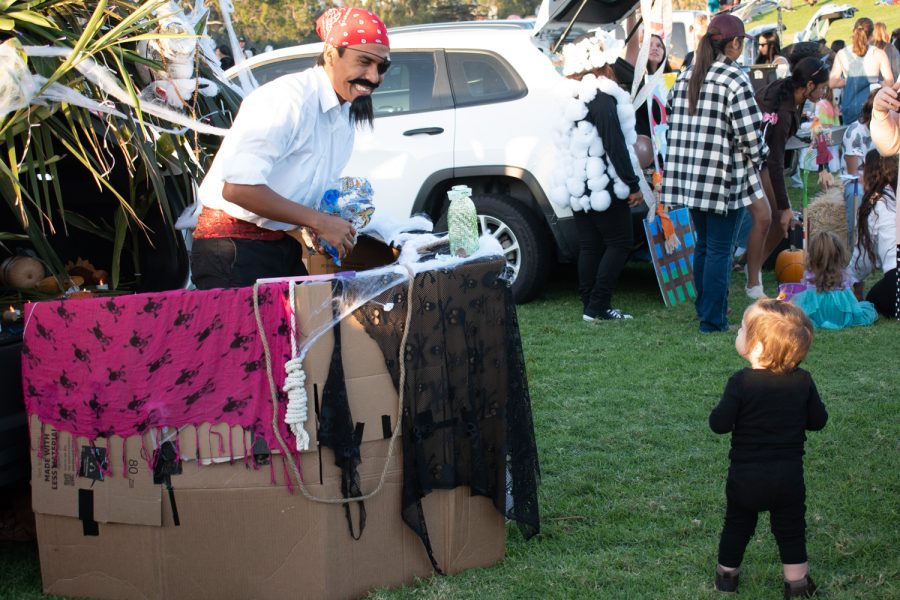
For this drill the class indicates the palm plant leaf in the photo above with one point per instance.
(40, 139)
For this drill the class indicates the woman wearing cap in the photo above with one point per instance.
(291, 138)
(715, 157)
(858, 68)
(781, 102)
(597, 171)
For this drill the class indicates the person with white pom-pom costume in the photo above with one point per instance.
(598, 173)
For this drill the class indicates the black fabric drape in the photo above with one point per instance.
(337, 430)
(467, 413)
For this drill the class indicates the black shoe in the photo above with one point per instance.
(727, 582)
(806, 588)
(613, 314)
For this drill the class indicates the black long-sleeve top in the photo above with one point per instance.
(768, 414)
(778, 98)
(602, 114)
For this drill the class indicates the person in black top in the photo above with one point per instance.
(768, 408)
(781, 103)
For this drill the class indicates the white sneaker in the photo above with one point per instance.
(756, 292)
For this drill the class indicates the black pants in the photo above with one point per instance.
(753, 488)
(884, 295)
(604, 242)
(232, 262)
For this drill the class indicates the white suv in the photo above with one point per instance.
(472, 104)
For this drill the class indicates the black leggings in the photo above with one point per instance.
(604, 240)
(752, 488)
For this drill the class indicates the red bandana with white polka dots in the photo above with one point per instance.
(351, 27)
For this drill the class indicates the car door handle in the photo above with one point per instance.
(425, 130)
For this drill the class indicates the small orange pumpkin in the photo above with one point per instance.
(789, 266)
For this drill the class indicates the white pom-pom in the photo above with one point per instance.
(575, 110)
(604, 181)
(579, 167)
(621, 190)
(595, 185)
(575, 203)
(596, 147)
(600, 201)
(559, 196)
(585, 203)
(594, 167)
(575, 185)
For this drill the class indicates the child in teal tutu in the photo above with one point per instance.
(828, 299)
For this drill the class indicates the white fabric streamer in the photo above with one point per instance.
(101, 77)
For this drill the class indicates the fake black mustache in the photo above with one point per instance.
(366, 83)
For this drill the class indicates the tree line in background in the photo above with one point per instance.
(289, 22)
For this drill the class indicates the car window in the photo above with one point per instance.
(268, 71)
(416, 82)
(482, 78)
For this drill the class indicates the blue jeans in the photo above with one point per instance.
(712, 265)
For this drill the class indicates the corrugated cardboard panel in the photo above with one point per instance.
(265, 543)
(64, 468)
(260, 541)
(121, 563)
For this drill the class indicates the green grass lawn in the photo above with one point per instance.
(632, 491)
(795, 20)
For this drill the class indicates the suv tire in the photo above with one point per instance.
(523, 237)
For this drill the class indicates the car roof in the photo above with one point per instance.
(497, 36)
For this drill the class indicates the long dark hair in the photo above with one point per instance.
(773, 48)
(666, 67)
(704, 57)
(362, 112)
(879, 172)
(807, 70)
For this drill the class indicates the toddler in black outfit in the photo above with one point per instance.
(767, 408)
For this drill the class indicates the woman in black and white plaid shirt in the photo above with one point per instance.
(715, 155)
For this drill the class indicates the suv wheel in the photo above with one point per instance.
(522, 237)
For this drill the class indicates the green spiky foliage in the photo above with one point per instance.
(158, 165)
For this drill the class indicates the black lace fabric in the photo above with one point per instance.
(467, 413)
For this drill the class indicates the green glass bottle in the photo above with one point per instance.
(462, 222)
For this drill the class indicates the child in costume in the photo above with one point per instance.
(768, 408)
(828, 299)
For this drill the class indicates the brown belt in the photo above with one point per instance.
(214, 223)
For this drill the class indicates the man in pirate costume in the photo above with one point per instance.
(597, 174)
(291, 138)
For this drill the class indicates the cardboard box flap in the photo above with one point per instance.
(73, 478)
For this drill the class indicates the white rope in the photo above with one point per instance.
(288, 456)
(297, 412)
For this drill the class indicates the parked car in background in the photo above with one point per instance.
(464, 103)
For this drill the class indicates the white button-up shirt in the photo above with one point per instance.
(291, 134)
